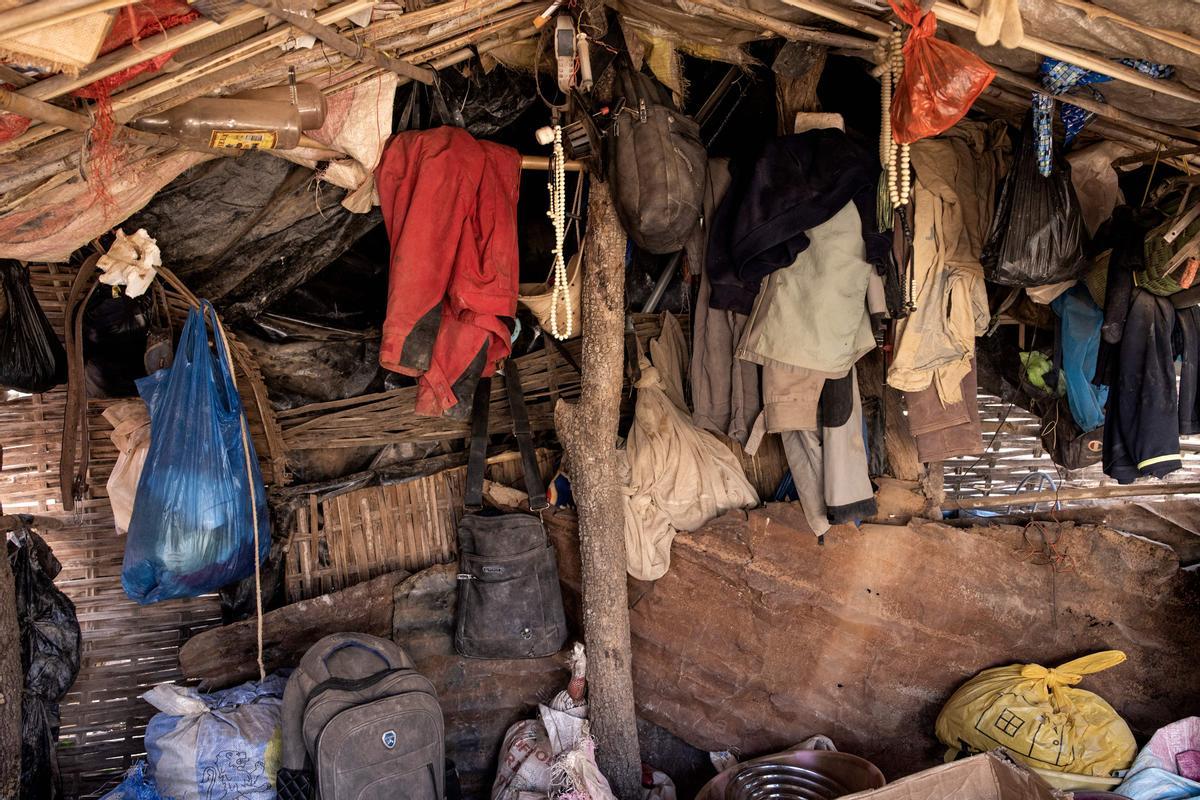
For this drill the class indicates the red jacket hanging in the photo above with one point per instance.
(449, 205)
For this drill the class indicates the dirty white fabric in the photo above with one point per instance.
(132, 262)
(131, 436)
(956, 175)
(51, 225)
(1095, 181)
(358, 122)
(813, 314)
(679, 477)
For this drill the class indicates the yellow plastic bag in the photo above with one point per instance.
(1037, 714)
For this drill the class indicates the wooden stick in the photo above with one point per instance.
(1082, 493)
(54, 115)
(959, 17)
(1151, 155)
(94, 7)
(1098, 108)
(149, 47)
(787, 30)
(851, 19)
(12, 77)
(30, 17)
(354, 50)
(1173, 38)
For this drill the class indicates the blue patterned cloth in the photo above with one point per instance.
(1060, 77)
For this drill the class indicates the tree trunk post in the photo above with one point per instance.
(588, 431)
(12, 677)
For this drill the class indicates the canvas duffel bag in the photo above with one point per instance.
(509, 601)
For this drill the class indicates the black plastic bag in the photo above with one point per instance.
(51, 645)
(1037, 235)
(114, 341)
(32, 359)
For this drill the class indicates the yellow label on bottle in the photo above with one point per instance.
(242, 140)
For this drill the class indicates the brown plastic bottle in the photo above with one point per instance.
(228, 123)
(305, 96)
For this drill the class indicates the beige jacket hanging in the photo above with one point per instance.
(679, 477)
(956, 176)
(813, 314)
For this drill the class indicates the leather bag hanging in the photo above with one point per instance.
(509, 600)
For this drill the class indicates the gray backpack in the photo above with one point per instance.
(657, 165)
(360, 723)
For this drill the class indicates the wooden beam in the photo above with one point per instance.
(345, 46)
(851, 19)
(787, 30)
(1099, 109)
(1107, 491)
(132, 54)
(56, 115)
(1174, 38)
(959, 17)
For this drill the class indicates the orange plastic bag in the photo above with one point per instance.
(940, 80)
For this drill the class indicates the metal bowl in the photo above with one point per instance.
(795, 775)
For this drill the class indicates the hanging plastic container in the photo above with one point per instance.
(304, 96)
(228, 123)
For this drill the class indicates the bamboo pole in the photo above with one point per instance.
(1100, 109)
(258, 47)
(959, 17)
(787, 30)
(851, 19)
(1173, 38)
(132, 55)
(55, 115)
(447, 60)
(30, 17)
(1081, 493)
(347, 47)
(95, 7)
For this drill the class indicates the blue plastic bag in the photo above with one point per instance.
(1081, 320)
(191, 530)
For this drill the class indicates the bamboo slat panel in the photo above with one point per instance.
(340, 539)
(127, 648)
(388, 418)
(1014, 452)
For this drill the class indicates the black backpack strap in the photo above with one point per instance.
(477, 455)
(520, 418)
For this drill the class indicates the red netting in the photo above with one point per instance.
(12, 125)
(132, 24)
(940, 80)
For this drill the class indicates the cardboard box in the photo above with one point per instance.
(990, 776)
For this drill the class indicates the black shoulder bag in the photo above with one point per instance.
(509, 601)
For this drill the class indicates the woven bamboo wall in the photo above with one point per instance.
(340, 540)
(1014, 451)
(126, 648)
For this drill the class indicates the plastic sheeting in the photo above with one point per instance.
(31, 357)
(50, 651)
(243, 232)
(1037, 235)
(65, 218)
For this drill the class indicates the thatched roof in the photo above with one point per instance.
(244, 45)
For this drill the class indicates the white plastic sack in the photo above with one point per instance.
(220, 745)
(131, 436)
(679, 476)
(1168, 767)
